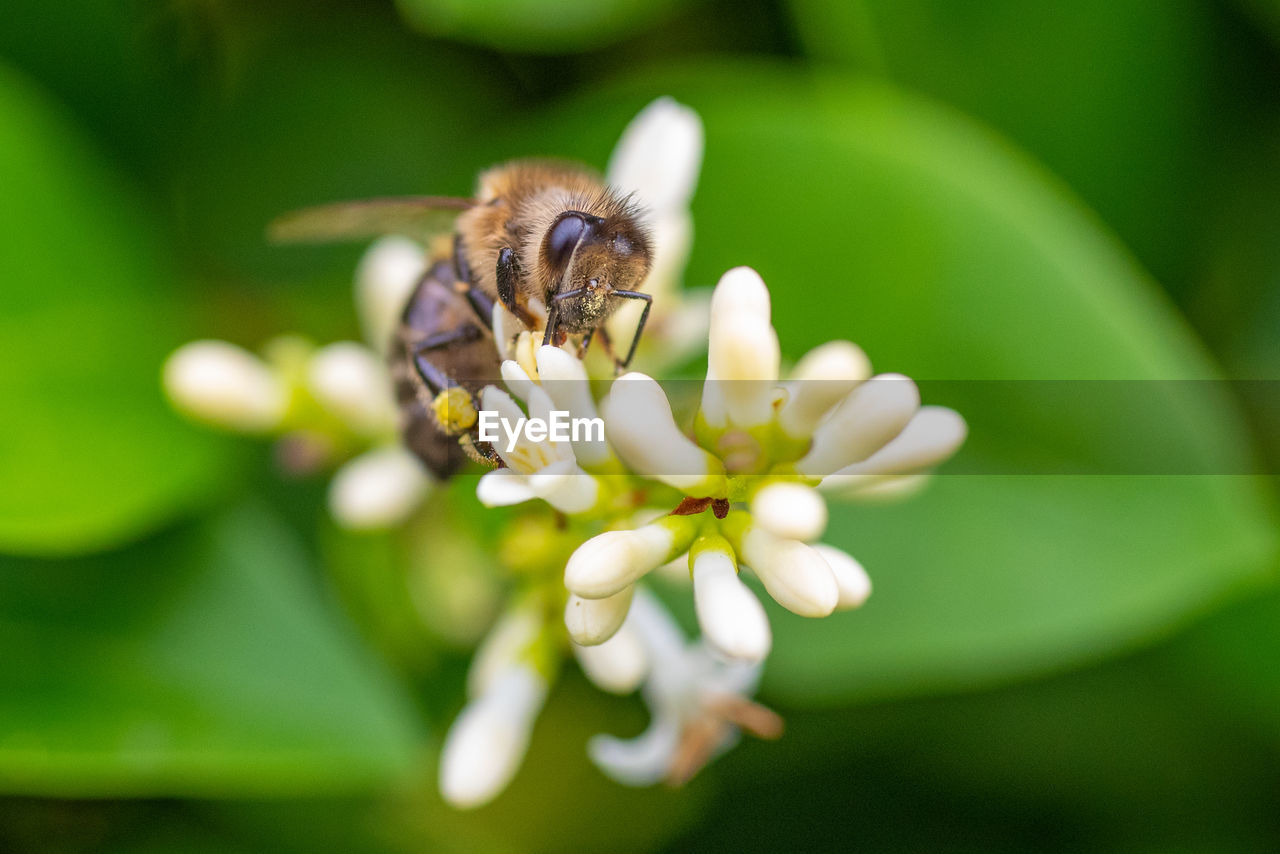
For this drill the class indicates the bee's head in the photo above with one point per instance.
(590, 258)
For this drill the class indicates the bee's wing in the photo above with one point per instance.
(419, 217)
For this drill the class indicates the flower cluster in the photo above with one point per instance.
(736, 483)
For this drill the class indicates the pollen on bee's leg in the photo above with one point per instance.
(454, 410)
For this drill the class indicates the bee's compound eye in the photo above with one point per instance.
(563, 238)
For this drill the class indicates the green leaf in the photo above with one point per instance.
(1230, 660)
(201, 662)
(1126, 127)
(881, 218)
(530, 26)
(90, 455)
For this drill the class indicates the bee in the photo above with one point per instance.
(550, 242)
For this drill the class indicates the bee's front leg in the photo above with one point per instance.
(509, 294)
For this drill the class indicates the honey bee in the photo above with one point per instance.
(551, 242)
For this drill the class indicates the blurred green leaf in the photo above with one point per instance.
(339, 105)
(878, 217)
(1128, 128)
(89, 453)
(201, 662)
(1231, 659)
(558, 802)
(531, 26)
(1121, 757)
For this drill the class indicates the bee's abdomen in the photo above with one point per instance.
(437, 312)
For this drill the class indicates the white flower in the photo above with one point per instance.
(659, 156)
(658, 159)
(851, 579)
(351, 382)
(790, 510)
(873, 414)
(742, 353)
(378, 489)
(564, 379)
(543, 469)
(729, 614)
(639, 423)
(619, 664)
(385, 279)
(488, 740)
(820, 380)
(225, 385)
(795, 575)
(607, 563)
(930, 437)
(594, 621)
(698, 702)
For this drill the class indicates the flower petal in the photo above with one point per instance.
(790, 510)
(385, 279)
(504, 487)
(742, 349)
(795, 575)
(851, 578)
(640, 426)
(640, 761)
(821, 379)
(504, 645)
(659, 156)
(594, 621)
(608, 562)
(565, 487)
(564, 379)
(731, 617)
(932, 435)
(378, 489)
(488, 740)
(223, 384)
(352, 383)
(869, 417)
(618, 665)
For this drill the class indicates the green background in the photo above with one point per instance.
(192, 658)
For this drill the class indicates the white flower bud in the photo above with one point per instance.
(488, 740)
(608, 562)
(731, 617)
(504, 645)
(929, 438)
(659, 155)
(385, 279)
(594, 621)
(794, 574)
(618, 665)
(869, 417)
(742, 350)
(877, 489)
(640, 426)
(351, 382)
(851, 578)
(790, 510)
(821, 379)
(223, 384)
(378, 489)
